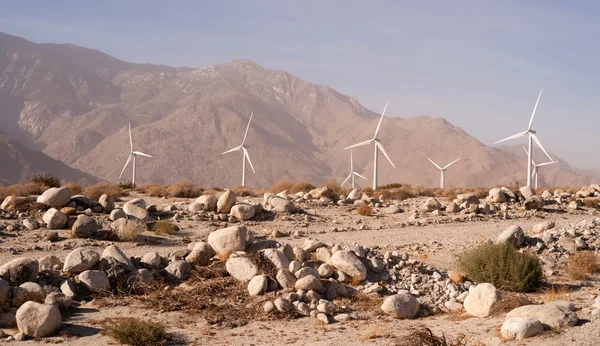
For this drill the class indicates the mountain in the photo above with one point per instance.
(74, 104)
(19, 163)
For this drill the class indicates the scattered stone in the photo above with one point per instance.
(95, 280)
(55, 197)
(54, 219)
(226, 201)
(309, 282)
(401, 306)
(178, 271)
(480, 300)
(107, 203)
(135, 211)
(116, 214)
(521, 328)
(84, 227)
(59, 299)
(38, 320)
(513, 234)
(552, 316)
(243, 211)
(229, 240)
(20, 270)
(201, 254)
(347, 262)
(258, 285)
(241, 268)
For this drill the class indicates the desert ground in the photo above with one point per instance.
(431, 236)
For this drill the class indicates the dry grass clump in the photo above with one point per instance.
(21, 190)
(126, 185)
(281, 185)
(135, 332)
(591, 202)
(184, 189)
(336, 188)
(75, 188)
(503, 266)
(95, 191)
(163, 227)
(130, 230)
(153, 190)
(582, 264)
(242, 191)
(425, 337)
(364, 210)
(301, 187)
(45, 179)
(509, 302)
(555, 292)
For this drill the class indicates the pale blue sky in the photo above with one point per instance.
(480, 64)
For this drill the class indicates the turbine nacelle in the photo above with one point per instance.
(246, 156)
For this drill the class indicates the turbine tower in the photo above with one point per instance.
(536, 167)
(443, 171)
(352, 173)
(377, 145)
(133, 155)
(533, 137)
(245, 156)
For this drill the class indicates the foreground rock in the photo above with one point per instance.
(401, 306)
(55, 219)
(480, 300)
(80, 260)
(521, 328)
(229, 240)
(513, 234)
(84, 227)
(55, 197)
(20, 270)
(347, 262)
(226, 201)
(553, 316)
(38, 320)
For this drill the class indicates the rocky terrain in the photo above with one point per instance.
(314, 267)
(74, 105)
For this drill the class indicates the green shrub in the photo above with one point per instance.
(125, 185)
(503, 266)
(45, 179)
(135, 332)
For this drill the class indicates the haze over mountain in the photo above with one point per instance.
(74, 104)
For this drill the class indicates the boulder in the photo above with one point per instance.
(116, 214)
(543, 226)
(282, 205)
(243, 211)
(80, 259)
(309, 282)
(114, 255)
(151, 260)
(55, 197)
(432, 204)
(276, 257)
(59, 299)
(311, 244)
(497, 195)
(552, 316)
(38, 320)
(285, 278)
(258, 285)
(533, 203)
(521, 328)
(55, 219)
(28, 291)
(401, 306)
(136, 212)
(20, 270)
(467, 197)
(84, 227)
(306, 271)
(50, 262)
(513, 234)
(226, 201)
(347, 262)
(83, 201)
(480, 300)
(30, 224)
(200, 255)
(178, 271)
(94, 280)
(452, 208)
(354, 195)
(128, 229)
(209, 202)
(527, 191)
(324, 191)
(229, 240)
(241, 268)
(107, 203)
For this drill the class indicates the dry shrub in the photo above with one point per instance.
(21, 190)
(425, 337)
(126, 185)
(135, 332)
(184, 189)
(364, 210)
(509, 302)
(154, 190)
(582, 264)
(130, 230)
(45, 179)
(74, 187)
(95, 191)
(280, 186)
(503, 266)
(369, 191)
(366, 303)
(242, 191)
(555, 292)
(301, 187)
(163, 227)
(591, 202)
(336, 188)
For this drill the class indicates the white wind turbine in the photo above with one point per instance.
(132, 154)
(532, 136)
(352, 173)
(536, 167)
(443, 171)
(245, 156)
(377, 147)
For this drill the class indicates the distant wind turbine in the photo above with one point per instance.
(352, 173)
(443, 171)
(245, 156)
(133, 155)
(536, 167)
(532, 136)
(377, 147)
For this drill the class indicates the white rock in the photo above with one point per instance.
(401, 306)
(54, 219)
(480, 300)
(229, 240)
(114, 253)
(116, 214)
(151, 260)
(80, 259)
(276, 257)
(552, 316)
(226, 201)
(200, 255)
(347, 262)
(308, 283)
(84, 227)
(55, 197)
(285, 278)
(258, 285)
(243, 211)
(241, 268)
(520, 328)
(107, 202)
(513, 234)
(543, 226)
(136, 212)
(38, 320)
(95, 280)
(20, 270)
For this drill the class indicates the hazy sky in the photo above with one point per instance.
(480, 64)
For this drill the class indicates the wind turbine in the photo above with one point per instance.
(532, 136)
(245, 156)
(377, 146)
(536, 167)
(352, 173)
(133, 155)
(443, 171)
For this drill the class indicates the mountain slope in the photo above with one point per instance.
(75, 104)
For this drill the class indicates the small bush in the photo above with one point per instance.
(390, 186)
(154, 190)
(130, 231)
(301, 187)
(126, 185)
(582, 264)
(280, 186)
(135, 332)
(95, 191)
(242, 191)
(364, 210)
(75, 188)
(591, 202)
(425, 337)
(45, 179)
(184, 189)
(163, 227)
(554, 293)
(21, 190)
(335, 187)
(503, 266)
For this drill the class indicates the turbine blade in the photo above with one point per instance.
(130, 138)
(533, 113)
(546, 163)
(126, 163)
(358, 175)
(247, 127)
(520, 134)
(248, 158)
(380, 119)
(384, 153)
(232, 150)
(451, 163)
(435, 164)
(345, 181)
(359, 144)
(526, 151)
(140, 153)
(540, 145)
